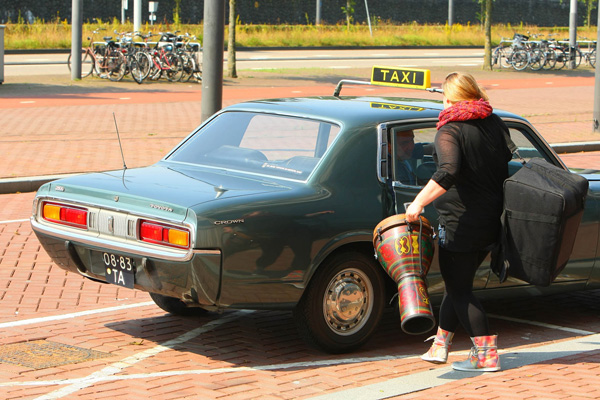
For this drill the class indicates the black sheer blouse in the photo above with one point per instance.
(472, 164)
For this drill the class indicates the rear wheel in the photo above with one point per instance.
(175, 306)
(519, 60)
(343, 304)
(175, 70)
(87, 63)
(537, 59)
(550, 59)
(116, 65)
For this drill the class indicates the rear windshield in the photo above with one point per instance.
(281, 146)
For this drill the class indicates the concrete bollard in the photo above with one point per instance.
(2, 53)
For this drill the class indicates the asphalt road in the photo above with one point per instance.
(55, 64)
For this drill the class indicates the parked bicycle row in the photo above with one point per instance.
(173, 56)
(523, 52)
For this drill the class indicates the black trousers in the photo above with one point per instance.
(459, 305)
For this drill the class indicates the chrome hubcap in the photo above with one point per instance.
(348, 301)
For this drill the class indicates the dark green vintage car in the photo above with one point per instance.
(271, 205)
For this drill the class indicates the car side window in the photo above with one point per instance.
(526, 149)
(411, 162)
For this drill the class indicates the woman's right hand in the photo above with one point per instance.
(413, 211)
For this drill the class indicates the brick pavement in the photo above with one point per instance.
(238, 355)
(59, 127)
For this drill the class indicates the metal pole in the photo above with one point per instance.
(572, 32)
(597, 82)
(368, 17)
(212, 65)
(137, 15)
(76, 33)
(2, 53)
(450, 12)
(318, 17)
(123, 11)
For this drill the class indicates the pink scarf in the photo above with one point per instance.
(465, 110)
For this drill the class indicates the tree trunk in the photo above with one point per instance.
(231, 63)
(487, 54)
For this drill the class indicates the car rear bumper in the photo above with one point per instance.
(195, 280)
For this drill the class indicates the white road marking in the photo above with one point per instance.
(162, 374)
(543, 325)
(394, 387)
(60, 317)
(115, 368)
(10, 221)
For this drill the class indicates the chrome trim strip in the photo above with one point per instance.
(117, 243)
(112, 245)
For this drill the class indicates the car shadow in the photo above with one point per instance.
(269, 339)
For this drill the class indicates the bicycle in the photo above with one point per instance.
(110, 60)
(164, 59)
(88, 57)
(190, 54)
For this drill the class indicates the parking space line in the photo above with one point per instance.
(394, 387)
(14, 220)
(53, 318)
(543, 325)
(85, 382)
(270, 367)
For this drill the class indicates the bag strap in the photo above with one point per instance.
(499, 264)
(512, 146)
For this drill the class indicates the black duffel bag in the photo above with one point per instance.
(543, 207)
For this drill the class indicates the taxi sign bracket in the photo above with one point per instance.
(338, 88)
(409, 78)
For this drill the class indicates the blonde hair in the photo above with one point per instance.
(460, 86)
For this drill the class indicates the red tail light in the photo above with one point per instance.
(167, 235)
(66, 215)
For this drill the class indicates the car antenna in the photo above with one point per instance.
(120, 145)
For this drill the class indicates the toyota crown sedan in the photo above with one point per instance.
(271, 204)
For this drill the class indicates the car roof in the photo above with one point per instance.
(352, 110)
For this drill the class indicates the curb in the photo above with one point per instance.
(32, 184)
(27, 184)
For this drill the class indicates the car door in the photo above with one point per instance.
(408, 174)
(579, 268)
(530, 145)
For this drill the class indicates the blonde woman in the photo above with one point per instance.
(472, 159)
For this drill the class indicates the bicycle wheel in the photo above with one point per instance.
(136, 72)
(537, 59)
(198, 74)
(144, 63)
(519, 60)
(496, 58)
(188, 67)
(561, 58)
(592, 58)
(87, 63)
(175, 70)
(116, 65)
(505, 56)
(550, 59)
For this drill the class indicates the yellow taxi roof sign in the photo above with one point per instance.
(401, 77)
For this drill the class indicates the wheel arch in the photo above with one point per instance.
(361, 246)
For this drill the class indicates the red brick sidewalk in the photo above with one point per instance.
(144, 353)
(68, 127)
